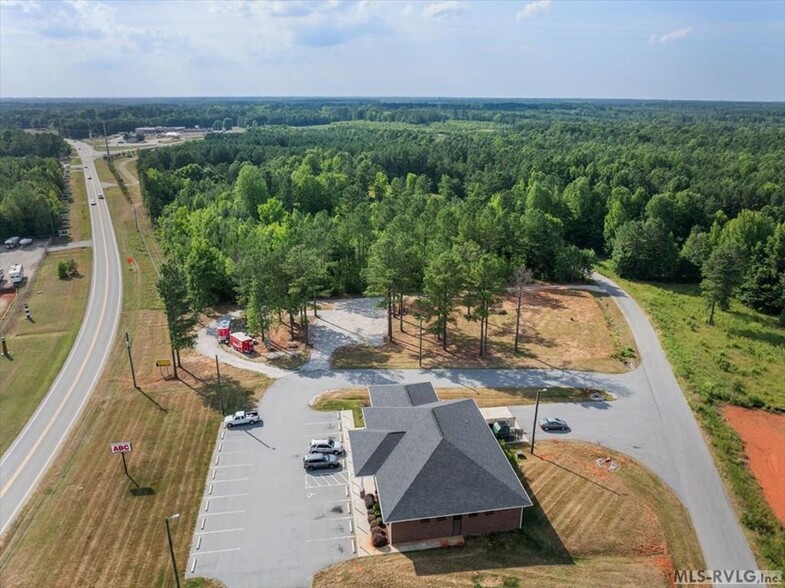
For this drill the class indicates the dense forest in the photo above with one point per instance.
(276, 215)
(31, 183)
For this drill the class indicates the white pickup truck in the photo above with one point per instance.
(242, 418)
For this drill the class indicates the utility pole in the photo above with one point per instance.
(106, 139)
(220, 392)
(171, 548)
(420, 354)
(534, 425)
(130, 359)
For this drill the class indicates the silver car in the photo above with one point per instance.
(326, 446)
(320, 461)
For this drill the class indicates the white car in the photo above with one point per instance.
(92, 203)
(325, 446)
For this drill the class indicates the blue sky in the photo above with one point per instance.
(700, 50)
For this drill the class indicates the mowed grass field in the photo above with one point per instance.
(588, 527)
(561, 328)
(84, 526)
(39, 348)
(79, 208)
(738, 361)
(355, 398)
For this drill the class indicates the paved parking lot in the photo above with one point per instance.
(265, 521)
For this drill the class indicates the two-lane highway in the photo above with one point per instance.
(26, 461)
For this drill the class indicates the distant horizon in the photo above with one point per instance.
(370, 98)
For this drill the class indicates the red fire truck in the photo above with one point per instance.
(241, 342)
(223, 331)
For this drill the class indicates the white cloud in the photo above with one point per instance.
(444, 10)
(671, 37)
(533, 9)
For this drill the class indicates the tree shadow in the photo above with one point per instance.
(774, 339)
(230, 397)
(151, 399)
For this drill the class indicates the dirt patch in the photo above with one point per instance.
(763, 435)
(560, 328)
(6, 298)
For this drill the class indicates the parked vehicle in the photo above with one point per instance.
(12, 242)
(16, 273)
(553, 424)
(326, 446)
(320, 461)
(223, 331)
(503, 424)
(25, 242)
(241, 342)
(242, 418)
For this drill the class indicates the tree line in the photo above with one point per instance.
(276, 216)
(31, 183)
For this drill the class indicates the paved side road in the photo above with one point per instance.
(694, 477)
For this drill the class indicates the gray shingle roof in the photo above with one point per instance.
(432, 459)
(402, 395)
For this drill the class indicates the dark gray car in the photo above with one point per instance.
(553, 424)
(319, 461)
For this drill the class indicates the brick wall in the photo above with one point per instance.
(501, 520)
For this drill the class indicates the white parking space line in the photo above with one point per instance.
(220, 531)
(225, 481)
(215, 551)
(331, 538)
(322, 423)
(237, 465)
(212, 514)
(230, 495)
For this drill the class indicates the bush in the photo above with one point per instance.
(377, 509)
(369, 501)
(374, 524)
(379, 540)
(371, 517)
(62, 270)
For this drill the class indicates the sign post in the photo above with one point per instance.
(122, 448)
(163, 363)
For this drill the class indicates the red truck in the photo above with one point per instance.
(223, 331)
(241, 342)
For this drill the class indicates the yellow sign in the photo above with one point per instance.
(163, 363)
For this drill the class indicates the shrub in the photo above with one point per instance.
(371, 517)
(377, 509)
(379, 540)
(62, 270)
(374, 524)
(369, 501)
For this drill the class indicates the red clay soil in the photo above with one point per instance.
(763, 434)
(6, 298)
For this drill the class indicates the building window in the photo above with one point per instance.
(441, 518)
(474, 514)
(489, 513)
(425, 520)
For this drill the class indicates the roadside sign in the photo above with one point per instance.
(163, 363)
(121, 447)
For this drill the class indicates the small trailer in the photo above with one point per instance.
(16, 273)
(503, 424)
(223, 331)
(241, 342)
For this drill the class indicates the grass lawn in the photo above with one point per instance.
(560, 328)
(39, 349)
(355, 398)
(78, 208)
(588, 527)
(741, 361)
(83, 521)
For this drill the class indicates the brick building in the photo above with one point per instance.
(437, 467)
